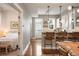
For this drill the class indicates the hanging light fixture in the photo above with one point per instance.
(72, 14)
(69, 7)
(72, 18)
(48, 12)
(60, 17)
(78, 10)
(60, 11)
(47, 20)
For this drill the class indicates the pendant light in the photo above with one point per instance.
(72, 14)
(72, 18)
(48, 12)
(60, 11)
(69, 7)
(78, 10)
(60, 17)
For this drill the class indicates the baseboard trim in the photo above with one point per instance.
(26, 48)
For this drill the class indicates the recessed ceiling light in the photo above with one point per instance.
(69, 7)
(78, 10)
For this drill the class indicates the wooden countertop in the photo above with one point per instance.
(71, 47)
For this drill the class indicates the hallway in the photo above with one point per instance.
(42, 18)
(35, 49)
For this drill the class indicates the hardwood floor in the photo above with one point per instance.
(11, 53)
(35, 49)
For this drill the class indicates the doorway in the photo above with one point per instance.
(38, 28)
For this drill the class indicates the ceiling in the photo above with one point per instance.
(41, 8)
(6, 7)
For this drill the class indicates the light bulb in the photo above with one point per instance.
(78, 10)
(69, 7)
(77, 20)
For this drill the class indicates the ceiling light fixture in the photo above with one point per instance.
(69, 7)
(77, 20)
(48, 12)
(60, 17)
(60, 11)
(78, 10)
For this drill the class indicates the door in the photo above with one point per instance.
(38, 27)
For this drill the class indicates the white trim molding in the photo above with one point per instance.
(26, 48)
(20, 20)
(16, 7)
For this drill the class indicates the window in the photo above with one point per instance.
(51, 23)
(38, 27)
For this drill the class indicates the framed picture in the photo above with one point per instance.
(14, 25)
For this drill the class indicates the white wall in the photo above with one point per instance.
(76, 27)
(27, 23)
(68, 18)
(6, 18)
(45, 19)
(0, 18)
(26, 31)
(27, 26)
(65, 22)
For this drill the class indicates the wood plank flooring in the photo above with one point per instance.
(11, 53)
(35, 49)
